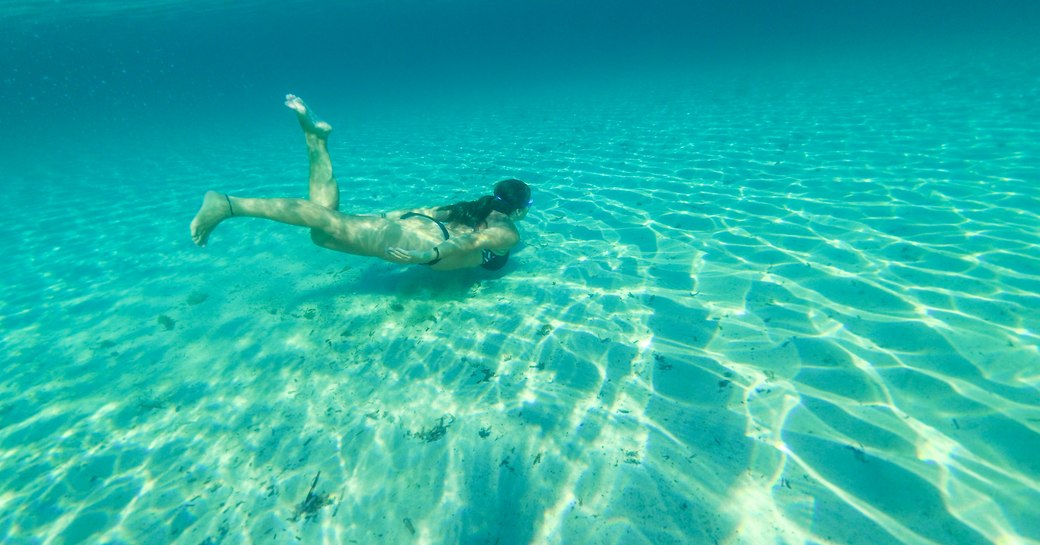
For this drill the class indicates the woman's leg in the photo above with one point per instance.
(323, 192)
(323, 189)
(362, 235)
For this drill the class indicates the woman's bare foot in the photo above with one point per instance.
(215, 209)
(308, 122)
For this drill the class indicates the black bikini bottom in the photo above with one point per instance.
(434, 220)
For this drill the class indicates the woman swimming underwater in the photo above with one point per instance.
(466, 234)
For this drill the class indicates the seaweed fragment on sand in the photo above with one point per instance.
(312, 503)
(436, 432)
(485, 375)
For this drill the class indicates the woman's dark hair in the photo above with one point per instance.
(510, 196)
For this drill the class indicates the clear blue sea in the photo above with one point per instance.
(780, 283)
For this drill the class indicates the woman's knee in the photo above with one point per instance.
(321, 238)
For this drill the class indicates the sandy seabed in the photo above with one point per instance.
(750, 312)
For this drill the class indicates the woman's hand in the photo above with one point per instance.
(400, 255)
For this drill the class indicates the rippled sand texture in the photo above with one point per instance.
(747, 311)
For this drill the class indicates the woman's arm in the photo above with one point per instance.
(495, 238)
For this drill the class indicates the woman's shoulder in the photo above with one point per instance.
(501, 234)
(501, 219)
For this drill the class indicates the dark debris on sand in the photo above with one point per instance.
(167, 322)
(437, 432)
(310, 506)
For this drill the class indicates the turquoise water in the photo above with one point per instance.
(779, 284)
